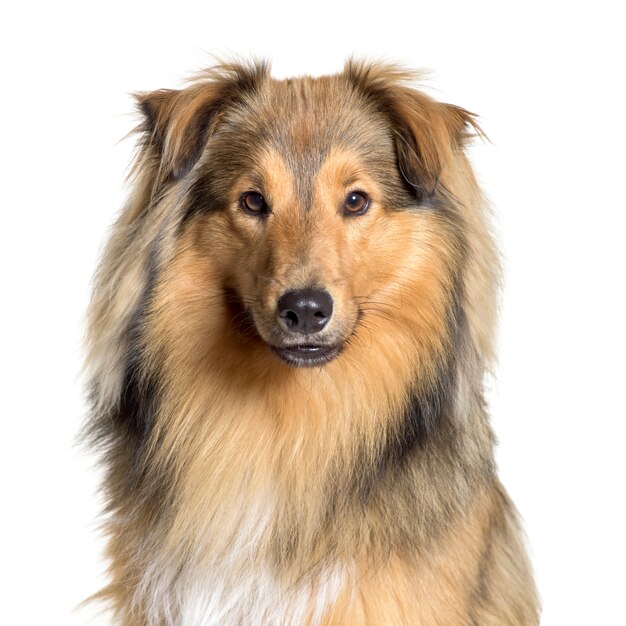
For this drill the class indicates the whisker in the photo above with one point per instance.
(270, 279)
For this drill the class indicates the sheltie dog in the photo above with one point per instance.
(287, 341)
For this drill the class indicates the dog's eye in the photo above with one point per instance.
(254, 203)
(356, 203)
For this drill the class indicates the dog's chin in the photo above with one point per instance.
(307, 355)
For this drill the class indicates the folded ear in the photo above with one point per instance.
(178, 123)
(426, 132)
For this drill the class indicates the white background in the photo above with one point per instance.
(547, 79)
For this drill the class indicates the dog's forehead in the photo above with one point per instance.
(303, 120)
(310, 116)
(317, 114)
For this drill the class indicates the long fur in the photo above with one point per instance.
(241, 489)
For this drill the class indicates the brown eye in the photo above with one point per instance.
(356, 203)
(254, 203)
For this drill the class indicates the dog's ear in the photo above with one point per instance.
(425, 132)
(178, 123)
(426, 135)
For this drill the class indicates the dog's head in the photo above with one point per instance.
(322, 211)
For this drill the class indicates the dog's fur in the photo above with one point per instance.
(243, 489)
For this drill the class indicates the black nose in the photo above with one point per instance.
(305, 311)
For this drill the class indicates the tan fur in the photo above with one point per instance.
(402, 592)
(242, 489)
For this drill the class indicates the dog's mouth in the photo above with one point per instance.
(307, 355)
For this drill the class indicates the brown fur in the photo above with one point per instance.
(362, 491)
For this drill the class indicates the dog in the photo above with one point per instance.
(287, 340)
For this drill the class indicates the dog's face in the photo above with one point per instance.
(314, 206)
(309, 218)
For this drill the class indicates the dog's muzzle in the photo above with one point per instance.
(302, 314)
